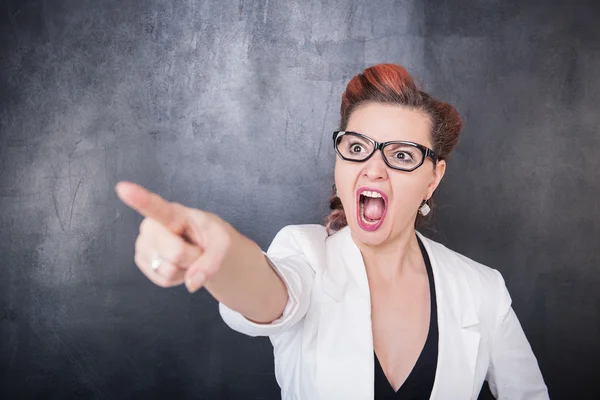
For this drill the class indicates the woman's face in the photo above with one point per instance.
(405, 191)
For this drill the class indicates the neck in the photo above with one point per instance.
(394, 259)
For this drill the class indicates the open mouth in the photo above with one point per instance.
(371, 209)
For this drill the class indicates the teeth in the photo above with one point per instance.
(370, 194)
(362, 216)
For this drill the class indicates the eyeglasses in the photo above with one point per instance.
(400, 155)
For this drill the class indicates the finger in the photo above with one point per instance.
(167, 275)
(209, 262)
(153, 206)
(171, 274)
(157, 239)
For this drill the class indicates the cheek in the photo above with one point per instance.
(345, 179)
(409, 192)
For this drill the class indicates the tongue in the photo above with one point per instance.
(374, 208)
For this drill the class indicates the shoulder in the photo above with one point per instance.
(311, 231)
(306, 239)
(485, 283)
(473, 269)
(303, 233)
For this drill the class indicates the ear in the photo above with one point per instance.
(438, 174)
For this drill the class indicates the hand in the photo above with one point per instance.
(192, 243)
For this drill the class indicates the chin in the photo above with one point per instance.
(371, 237)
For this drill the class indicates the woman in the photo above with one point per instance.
(375, 309)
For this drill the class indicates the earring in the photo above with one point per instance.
(424, 209)
(334, 188)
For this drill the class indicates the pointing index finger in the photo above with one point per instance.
(151, 205)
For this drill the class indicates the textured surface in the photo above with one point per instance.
(228, 106)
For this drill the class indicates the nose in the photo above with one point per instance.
(375, 167)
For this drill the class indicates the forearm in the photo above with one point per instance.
(247, 284)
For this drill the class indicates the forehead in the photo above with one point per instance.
(384, 123)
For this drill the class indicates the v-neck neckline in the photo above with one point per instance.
(431, 341)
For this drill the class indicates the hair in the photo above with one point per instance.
(392, 84)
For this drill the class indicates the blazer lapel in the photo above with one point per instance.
(458, 325)
(345, 360)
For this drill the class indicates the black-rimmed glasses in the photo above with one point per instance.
(400, 155)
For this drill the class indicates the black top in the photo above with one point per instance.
(419, 383)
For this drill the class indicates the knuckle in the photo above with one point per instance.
(177, 207)
(144, 224)
(212, 267)
(165, 282)
(178, 213)
(178, 253)
(200, 217)
(210, 270)
(139, 261)
(158, 278)
(138, 244)
(225, 239)
(161, 282)
(171, 275)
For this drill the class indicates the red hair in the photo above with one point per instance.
(392, 84)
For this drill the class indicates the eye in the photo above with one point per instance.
(403, 156)
(356, 147)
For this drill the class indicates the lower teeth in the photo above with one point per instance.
(364, 219)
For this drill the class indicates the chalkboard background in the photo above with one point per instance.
(229, 106)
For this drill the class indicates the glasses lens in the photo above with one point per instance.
(403, 156)
(354, 147)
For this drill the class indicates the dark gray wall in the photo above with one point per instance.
(228, 107)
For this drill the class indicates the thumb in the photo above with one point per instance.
(216, 244)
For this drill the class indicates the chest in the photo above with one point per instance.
(400, 312)
(400, 320)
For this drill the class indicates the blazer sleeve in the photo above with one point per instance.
(286, 257)
(513, 372)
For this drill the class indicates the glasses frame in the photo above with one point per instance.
(427, 152)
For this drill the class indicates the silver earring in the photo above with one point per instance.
(424, 209)
(334, 188)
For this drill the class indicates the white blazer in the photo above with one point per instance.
(323, 342)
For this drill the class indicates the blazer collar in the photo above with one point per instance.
(345, 281)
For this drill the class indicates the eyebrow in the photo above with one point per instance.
(379, 141)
